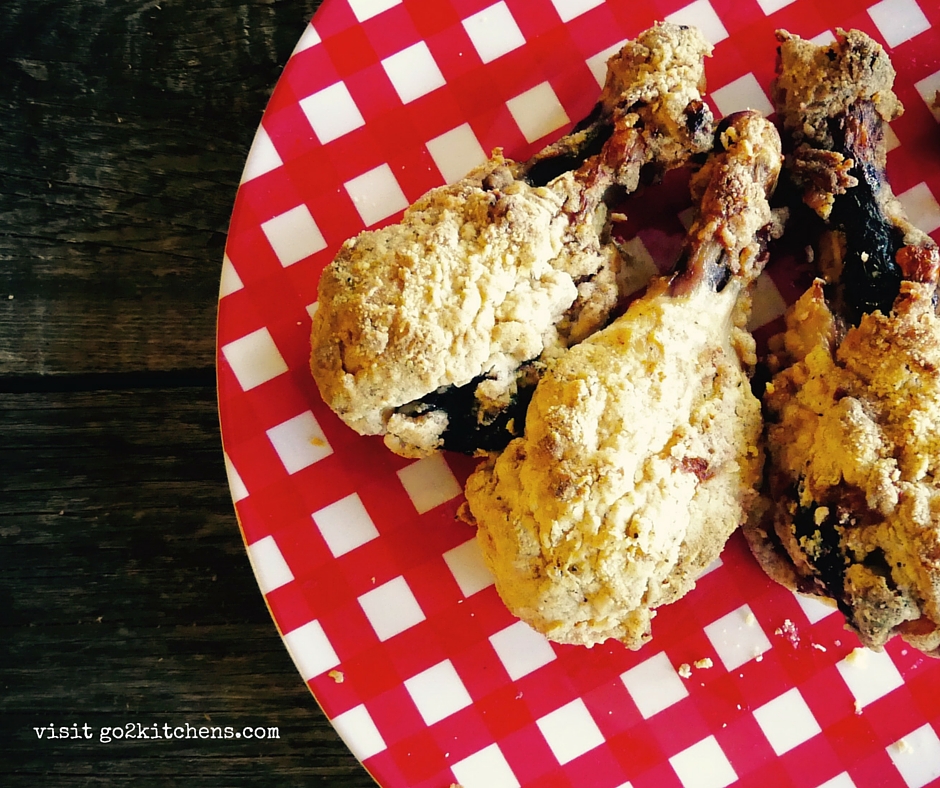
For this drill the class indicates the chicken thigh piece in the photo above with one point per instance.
(641, 448)
(432, 331)
(853, 409)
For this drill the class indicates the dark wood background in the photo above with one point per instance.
(125, 592)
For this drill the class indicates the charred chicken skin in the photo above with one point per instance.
(641, 447)
(852, 510)
(433, 331)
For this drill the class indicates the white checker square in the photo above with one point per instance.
(376, 194)
(870, 675)
(921, 207)
(493, 32)
(465, 562)
(230, 281)
(271, 570)
(898, 20)
(570, 731)
(928, 88)
(262, 156)
(598, 63)
(815, 608)
(438, 692)
(299, 442)
(770, 6)
(743, 93)
(456, 152)
(293, 235)
(345, 525)
(737, 637)
(309, 38)
(569, 9)
(254, 359)
(654, 685)
(486, 768)
(700, 14)
(766, 302)
(366, 9)
(359, 732)
(521, 649)
(312, 308)
(787, 721)
(332, 112)
(413, 72)
(391, 608)
(703, 765)
(235, 484)
(537, 112)
(429, 482)
(839, 781)
(311, 650)
(917, 756)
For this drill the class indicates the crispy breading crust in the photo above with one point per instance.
(641, 450)
(852, 506)
(491, 272)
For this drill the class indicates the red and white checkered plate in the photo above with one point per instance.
(378, 591)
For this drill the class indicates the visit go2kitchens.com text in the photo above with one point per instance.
(137, 731)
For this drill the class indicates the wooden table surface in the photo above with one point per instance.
(126, 597)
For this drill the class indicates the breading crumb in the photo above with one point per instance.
(337, 675)
(685, 670)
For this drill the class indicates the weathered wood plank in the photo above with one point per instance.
(125, 128)
(126, 597)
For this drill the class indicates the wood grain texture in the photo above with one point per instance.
(125, 592)
(126, 125)
(126, 597)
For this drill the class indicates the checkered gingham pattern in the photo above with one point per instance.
(379, 593)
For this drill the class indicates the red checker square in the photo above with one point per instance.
(429, 19)
(504, 711)
(391, 31)
(307, 72)
(239, 417)
(660, 776)
(249, 244)
(465, 8)
(304, 550)
(281, 507)
(529, 755)
(271, 194)
(633, 18)
(878, 771)
(282, 97)
(535, 18)
(637, 750)
(679, 726)
(333, 18)
(397, 717)
(811, 763)
(897, 714)
(482, 673)
(350, 50)
(454, 54)
(289, 607)
(768, 774)
(738, 15)
(597, 30)
(605, 770)
(419, 758)
(257, 466)
(745, 746)
(345, 624)
(414, 650)
(373, 92)
(289, 130)
(852, 738)
(461, 734)
(367, 673)
(828, 697)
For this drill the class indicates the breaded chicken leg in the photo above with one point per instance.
(432, 331)
(853, 411)
(641, 448)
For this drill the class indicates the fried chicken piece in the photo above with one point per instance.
(853, 411)
(641, 448)
(433, 331)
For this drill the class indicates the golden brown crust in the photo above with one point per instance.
(641, 449)
(495, 271)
